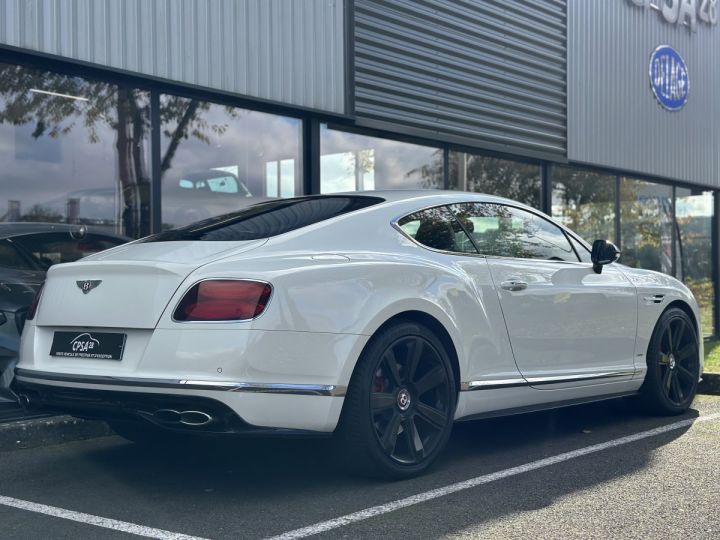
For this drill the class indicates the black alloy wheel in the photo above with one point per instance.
(410, 399)
(399, 410)
(673, 364)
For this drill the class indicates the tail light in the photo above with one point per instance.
(32, 310)
(224, 300)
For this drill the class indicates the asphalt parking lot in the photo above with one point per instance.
(596, 471)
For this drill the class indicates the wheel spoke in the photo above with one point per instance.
(430, 380)
(667, 379)
(391, 363)
(678, 334)
(686, 352)
(414, 354)
(380, 401)
(669, 337)
(684, 371)
(431, 415)
(389, 438)
(414, 442)
(676, 387)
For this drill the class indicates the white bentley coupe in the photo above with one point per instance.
(379, 317)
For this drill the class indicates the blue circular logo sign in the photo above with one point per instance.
(669, 78)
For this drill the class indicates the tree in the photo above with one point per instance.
(56, 104)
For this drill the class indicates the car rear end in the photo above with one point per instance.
(189, 335)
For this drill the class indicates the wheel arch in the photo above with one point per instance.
(426, 319)
(681, 304)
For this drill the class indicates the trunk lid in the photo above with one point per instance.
(128, 286)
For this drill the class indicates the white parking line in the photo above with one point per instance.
(89, 519)
(368, 513)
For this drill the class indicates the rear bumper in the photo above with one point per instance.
(230, 407)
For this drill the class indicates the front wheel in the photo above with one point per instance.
(673, 365)
(399, 410)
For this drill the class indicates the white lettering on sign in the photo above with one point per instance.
(683, 12)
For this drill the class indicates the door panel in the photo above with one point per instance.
(566, 321)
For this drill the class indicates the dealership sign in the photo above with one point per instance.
(669, 78)
(683, 12)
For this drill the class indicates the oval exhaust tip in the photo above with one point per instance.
(195, 418)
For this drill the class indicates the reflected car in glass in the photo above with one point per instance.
(379, 317)
(27, 250)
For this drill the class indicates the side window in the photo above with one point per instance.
(437, 228)
(505, 231)
(10, 257)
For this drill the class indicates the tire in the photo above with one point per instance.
(673, 365)
(399, 409)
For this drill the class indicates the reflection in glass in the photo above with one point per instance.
(218, 159)
(584, 201)
(505, 231)
(693, 249)
(437, 228)
(73, 150)
(646, 225)
(493, 176)
(351, 162)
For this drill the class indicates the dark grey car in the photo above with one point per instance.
(27, 250)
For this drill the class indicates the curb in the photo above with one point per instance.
(710, 384)
(48, 431)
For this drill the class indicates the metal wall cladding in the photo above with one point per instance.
(490, 73)
(280, 50)
(614, 119)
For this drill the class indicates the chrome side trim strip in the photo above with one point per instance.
(492, 384)
(539, 381)
(582, 377)
(187, 384)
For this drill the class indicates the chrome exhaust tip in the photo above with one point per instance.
(171, 417)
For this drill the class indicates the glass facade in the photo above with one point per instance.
(646, 225)
(77, 149)
(73, 150)
(494, 176)
(350, 162)
(217, 158)
(584, 201)
(693, 248)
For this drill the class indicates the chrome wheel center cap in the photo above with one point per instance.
(403, 400)
(672, 362)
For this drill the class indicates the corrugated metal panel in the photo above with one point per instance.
(490, 71)
(614, 119)
(291, 52)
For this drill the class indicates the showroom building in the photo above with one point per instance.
(138, 115)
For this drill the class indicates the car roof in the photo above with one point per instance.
(428, 197)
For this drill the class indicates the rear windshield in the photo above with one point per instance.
(267, 219)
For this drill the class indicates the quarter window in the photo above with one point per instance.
(436, 228)
(505, 231)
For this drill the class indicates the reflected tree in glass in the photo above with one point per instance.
(646, 225)
(584, 201)
(54, 105)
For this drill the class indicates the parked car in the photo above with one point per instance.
(186, 198)
(27, 250)
(381, 317)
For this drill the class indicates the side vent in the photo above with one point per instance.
(654, 299)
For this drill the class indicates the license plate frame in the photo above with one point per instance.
(90, 345)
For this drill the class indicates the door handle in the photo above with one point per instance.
(513, 285)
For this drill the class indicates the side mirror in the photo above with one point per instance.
(603, 252)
